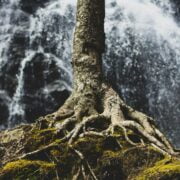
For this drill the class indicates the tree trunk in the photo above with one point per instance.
(88, 46)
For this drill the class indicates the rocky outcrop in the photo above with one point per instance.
(31, 152)
(32, 6)
(42, 93)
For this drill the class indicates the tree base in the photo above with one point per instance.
(82, 120)
(79, 114)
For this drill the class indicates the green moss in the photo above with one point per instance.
(23, 169)
(136, 159)
(109, 157)
(164, 169)
(38, 138)
(55, 153)
(66, 159)
(16, 165)
(110, 165)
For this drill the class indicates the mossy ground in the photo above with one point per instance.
(27, 169)
(164, 169)
(109, 157)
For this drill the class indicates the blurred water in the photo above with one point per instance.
(143, 56)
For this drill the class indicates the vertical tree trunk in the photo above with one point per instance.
(88, 44)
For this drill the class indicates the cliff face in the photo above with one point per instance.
(34, 77)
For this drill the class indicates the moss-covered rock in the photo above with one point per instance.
(109, 157)
(162, 170)
(26, 169)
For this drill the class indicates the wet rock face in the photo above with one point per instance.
(32, 6)
(4, 110)
(141, 61)
(176, 5)
(10, 69)
(41, 92)
(35, 51)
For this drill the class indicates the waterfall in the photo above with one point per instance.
(143, 56)
(7, 10)
(142, 59)
(41, 39)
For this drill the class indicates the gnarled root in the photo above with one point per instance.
(119, 115)
(84, 115)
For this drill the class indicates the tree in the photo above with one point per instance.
(93, 109)
(92, 98)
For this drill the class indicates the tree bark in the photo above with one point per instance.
(88, 46)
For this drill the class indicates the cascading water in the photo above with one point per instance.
(142, 58)
(143, 48)
(35, 49)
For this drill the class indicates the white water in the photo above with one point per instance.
(36, 25)
(151, 26)
(6, 27)
(141, 35)
(16, 108)
(146, 36)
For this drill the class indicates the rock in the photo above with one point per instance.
(104, 155)
(176, 7)
(43, 92)
(32, 6)
(4, 112)
(10, 70)
(4, 102)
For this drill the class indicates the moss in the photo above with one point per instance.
(110, 166)
(16, 165)
(55, 153)
(94, 147)
(109, 157)
(38, 138)
(164, 169)
(66, 160)
(26, 169)
(136, 159)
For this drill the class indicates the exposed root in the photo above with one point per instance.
(75, 120)
(65, 123)
(81, 156)
(115, 110)
(66, 111)
(92, 133)
(83, 172)
(34, 153)
(82, 124)
(76, 176)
